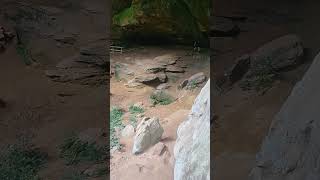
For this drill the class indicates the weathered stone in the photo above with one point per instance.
(223, 27)
(149, 132)
(65, 38)
(147, 77)
(167, 59)
(65, 75)
(280, 53)
(290, 150)
(128, 131)
(163, 86)
(192, 148)
(174, 69)
(133, 84)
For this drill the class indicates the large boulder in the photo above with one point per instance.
(291, 149)
(192, 148)
(149, 132)
(282, 52)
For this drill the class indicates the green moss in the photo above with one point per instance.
(126, 17)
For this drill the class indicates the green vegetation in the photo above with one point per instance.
(192, 85)
(135, 109)
(74, 151)
(117, 72)
(23, 51)
(160, 18)
(160, 97)
(115, 122)
(21, 163)
(261, 77)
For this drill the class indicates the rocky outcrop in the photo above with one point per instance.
(192, 148)
(291, 149)
(163, 19)
(193, 82)
(87, 67)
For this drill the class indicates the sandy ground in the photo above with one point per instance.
(148, 166)
(244, 118)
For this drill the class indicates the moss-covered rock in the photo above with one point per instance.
(163, 19)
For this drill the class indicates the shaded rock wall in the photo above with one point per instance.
(291, 150)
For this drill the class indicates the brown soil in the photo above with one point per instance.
(244, 117)
(125, 165)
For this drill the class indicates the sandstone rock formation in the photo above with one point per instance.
(149, 132)
(192, 148)
(291, 149)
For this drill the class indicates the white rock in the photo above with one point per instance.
(128, 131)
(192, 148)
(149, 132)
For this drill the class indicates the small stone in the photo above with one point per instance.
(159, 149)
(163, 86)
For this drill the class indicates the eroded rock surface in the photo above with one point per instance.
(291, 149)
(192, 148)
(149, 132)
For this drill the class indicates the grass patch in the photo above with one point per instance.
(160, 97)
(24, 53)
(261, 77)
(135, 109)
(133, 120)
(192, 85)
(115, 122)
(117, 72)
(74, 151)
(21, 163)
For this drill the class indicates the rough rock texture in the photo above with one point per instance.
(282, 52)
(193, 81)
(192, 148)
(87, 67)
(149, 132)
(291, 149)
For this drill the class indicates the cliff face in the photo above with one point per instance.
(192, 148)
(162, 18)
(291, 149)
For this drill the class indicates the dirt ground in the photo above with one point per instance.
(34, 106)
(244, 117)
(146, 165)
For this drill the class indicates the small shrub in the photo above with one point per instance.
(133, 120)
(117, 72)
(192, 85)
(135, 109)
(24, 53)
(21, 163)
(73, 150)
(161, 98)
(115, 121)
(261, 77)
